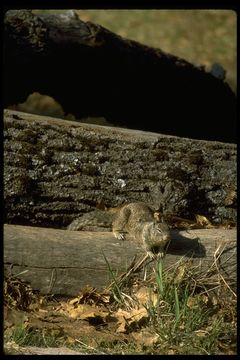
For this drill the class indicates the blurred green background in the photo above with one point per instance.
(199, 36)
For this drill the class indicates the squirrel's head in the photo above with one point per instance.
(156, 238)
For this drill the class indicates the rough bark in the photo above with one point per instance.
(56, 171)
(91, 71)
(63, 262)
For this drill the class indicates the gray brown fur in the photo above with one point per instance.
(139, 220)
(96, 220)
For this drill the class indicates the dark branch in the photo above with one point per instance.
(91, 71)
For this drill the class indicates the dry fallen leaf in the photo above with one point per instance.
(180, 272)
(171, 352)
(145, 337)
(138, 314)
(203, 221)
(192, 302)
(205, 298)
(144, 296)
(121, 315)
(201, 333)
(132, 317)
(181, 223)
(91, 295)
(83, 311)
(74, 301)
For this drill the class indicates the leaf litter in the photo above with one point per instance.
(93, 319)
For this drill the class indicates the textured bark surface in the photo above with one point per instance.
(63, 262)
(56, 171)
(91, 71)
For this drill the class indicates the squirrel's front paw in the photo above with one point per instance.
(118, 235)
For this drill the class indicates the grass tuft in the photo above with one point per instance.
(179, 310)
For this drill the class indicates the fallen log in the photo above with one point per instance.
(56, 170)
(91, 71)
(63, 262)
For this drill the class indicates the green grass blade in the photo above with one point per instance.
(116, 290)
(177, 307)
(159, 277)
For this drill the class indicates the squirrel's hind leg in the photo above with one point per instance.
(119, 223)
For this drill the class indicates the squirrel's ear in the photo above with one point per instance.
(157, 216)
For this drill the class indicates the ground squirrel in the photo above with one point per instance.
(136, 218)
(144, 225)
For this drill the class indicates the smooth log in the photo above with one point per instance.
(63, 262)
(91, 71)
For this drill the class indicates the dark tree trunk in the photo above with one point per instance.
(57, 170)
(91, 71)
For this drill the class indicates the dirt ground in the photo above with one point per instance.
(87, 320)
